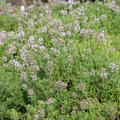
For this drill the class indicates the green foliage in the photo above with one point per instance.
(2, 1)
(8, 23)
(60, 63)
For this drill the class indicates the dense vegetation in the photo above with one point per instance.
(60, 63)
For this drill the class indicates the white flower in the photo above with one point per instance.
(35, 46)
(44, 29)
(113, 67)
(36, 116)
(31, 23)
(42, 48)
(11, 34)
(35, 67)
(71, 7)
(20, 28)
(15, 63)
(60, 85)
(4, 59)
(31, 39)
(68, 33)
(24, 85)
(104, 73)
(11, 49)
(22, 8)
(40, 40)
(1, 42)
(34, 76)
(41, 15)
(77, 28)
(102, 36)
(31, 92)
(84, 104)
(41, 102)
(55, 51)
(20, 34)
(23, 75)
(103, 16)
(46, 56)
(81, 87)
(62, 34)
(114, 6)
(41, 112)
(50, 101)
(3, 35)
(63, 12)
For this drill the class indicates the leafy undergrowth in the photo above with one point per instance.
(61, 63)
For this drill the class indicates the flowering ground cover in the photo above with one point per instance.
(60, 62)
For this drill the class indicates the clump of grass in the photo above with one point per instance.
(8, 23)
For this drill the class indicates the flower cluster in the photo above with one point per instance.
(3, 36)
(58, 62)
(112, 5)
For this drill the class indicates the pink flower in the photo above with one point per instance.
(23, 75)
